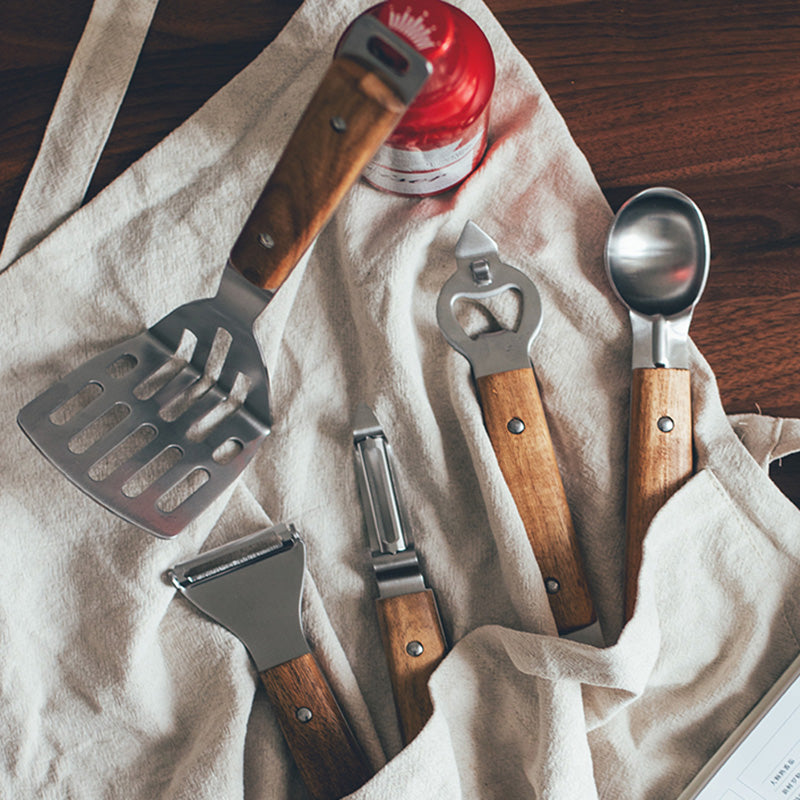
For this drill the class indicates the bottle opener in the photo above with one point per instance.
(517, 426)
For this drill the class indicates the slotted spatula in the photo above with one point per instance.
(154, 430)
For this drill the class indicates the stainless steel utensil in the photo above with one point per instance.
(167, 431)
(253, 587)
(413, 639)
(657, 258)
(517, 426)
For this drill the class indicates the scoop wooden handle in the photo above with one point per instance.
(659, 456)
(327, 754)
(511, 403)
(347, 119)
(414, 644)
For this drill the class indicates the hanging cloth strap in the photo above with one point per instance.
(81, 121)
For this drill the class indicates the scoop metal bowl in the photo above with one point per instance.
(657, 260)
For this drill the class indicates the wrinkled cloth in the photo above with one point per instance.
(113, 686)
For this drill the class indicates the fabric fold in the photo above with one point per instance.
(81, 121)
(88, 623)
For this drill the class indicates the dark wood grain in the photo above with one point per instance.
(329, 758)
(192, 50)
(702, 96)
(659, 461)
(528, 463)
(406, 619)
(317, 167)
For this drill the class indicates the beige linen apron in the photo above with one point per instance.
(112, 686)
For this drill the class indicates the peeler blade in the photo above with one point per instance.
(253, 587)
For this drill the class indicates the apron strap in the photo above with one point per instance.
(767, 438)
(81, 121)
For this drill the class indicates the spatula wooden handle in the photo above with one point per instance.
(414, 644)
(517, 427)
(324, 748)
(659, 456)
(349, 116)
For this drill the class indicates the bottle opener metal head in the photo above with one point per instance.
(479, 275)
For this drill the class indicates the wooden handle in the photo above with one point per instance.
(327, 754)
(659, 456)
(511, 403)
(407, 622)
(346, 121)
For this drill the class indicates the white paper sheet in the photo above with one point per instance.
(761, 759)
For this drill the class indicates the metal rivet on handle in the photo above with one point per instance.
(551, 585)
(303, 714)
(665, 424)
(515, 425)
(338, 124)
(266, 241)
(414, 649)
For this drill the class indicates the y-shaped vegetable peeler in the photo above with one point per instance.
(253, 587)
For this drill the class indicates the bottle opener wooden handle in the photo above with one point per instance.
(659, 456)
(517, 427)
(359, 101)
(327, 754)
(414, 644)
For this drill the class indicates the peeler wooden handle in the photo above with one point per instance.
(659, 456)
(518, 430)
(324, 748)
(414, 644)
(346, 121)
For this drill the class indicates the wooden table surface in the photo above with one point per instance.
(701, 95)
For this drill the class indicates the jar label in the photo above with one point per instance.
(417, 172)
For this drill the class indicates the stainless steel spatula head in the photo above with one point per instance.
(159, 426)
(153, 428)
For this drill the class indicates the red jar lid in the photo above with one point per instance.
(427, 26)
(460, 87)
